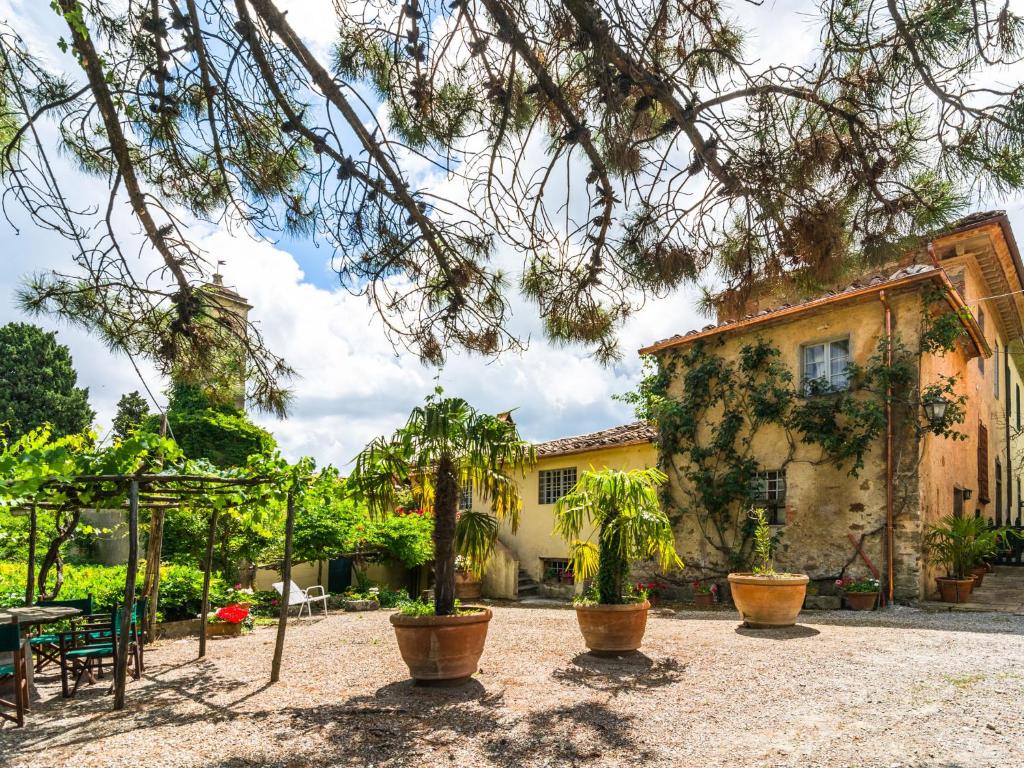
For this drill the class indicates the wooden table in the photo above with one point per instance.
(34, 615)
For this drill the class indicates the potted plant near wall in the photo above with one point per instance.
(704, 594)
(764, 597)
(952, 543)
(623, 510)
(860, 594)
(468, 579)
(445, 445)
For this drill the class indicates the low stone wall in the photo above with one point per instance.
(172, 630)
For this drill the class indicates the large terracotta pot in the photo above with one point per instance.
(861, 601)
(467, 586)
(768, 601)
(955, 590)
(612, 629)
(441, 648)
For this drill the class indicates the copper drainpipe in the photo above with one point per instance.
(888, 455)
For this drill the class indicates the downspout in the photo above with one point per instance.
(889, 548)
(1008, 475)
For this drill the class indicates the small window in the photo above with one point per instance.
(555, 483)
(556, 570)
(466, 497)
(768, 492)
(826, 366)
(995, 373)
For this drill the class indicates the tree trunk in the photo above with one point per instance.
(151, 584)
(446, 501)
(211, 534)
(611, 572)
(286, 578)
(125, 624)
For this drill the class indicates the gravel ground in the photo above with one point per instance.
(900, 688)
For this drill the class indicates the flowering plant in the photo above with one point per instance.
(648, 588)
(700, 588)
(232, 614)
(858, 585)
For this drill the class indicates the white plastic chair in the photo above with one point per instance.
(304, 598)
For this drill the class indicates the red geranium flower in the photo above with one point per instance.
(233, 614)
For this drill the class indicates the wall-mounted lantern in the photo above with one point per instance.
(935, 410)
(967, 493)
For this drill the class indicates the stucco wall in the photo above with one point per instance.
(824, 504)
(535, 538)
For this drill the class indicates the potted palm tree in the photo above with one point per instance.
(445, 445)
(951, 542)
(766, 598)
(622, 508)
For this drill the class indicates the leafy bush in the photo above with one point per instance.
(389, 598)
(181, 587)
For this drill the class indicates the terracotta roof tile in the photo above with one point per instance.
(627, 434)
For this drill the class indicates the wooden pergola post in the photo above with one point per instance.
(125, 619)
(30, 584)
(208, 571)
(286, 577)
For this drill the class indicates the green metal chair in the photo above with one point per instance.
(46, 645)
(138, 624)
(16, 671)
(92, 643)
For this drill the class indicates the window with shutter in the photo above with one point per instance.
(983, 496)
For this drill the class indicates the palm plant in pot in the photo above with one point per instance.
(445, 446)
(622, 509)
(952, 543)
(764, 597)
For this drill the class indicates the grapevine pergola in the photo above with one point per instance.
(161, 489)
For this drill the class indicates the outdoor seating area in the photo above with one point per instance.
(842, 688)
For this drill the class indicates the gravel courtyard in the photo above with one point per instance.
(905, 687)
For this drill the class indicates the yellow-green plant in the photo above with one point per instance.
(764, 545)
(624, 509)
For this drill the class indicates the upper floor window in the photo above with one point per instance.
(826, 366)
(995, 373)
(466, 496)
(555, 483)
(768, 492)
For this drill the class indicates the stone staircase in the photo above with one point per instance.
(527, 586)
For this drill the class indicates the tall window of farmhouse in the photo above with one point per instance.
(466, 496)
(768, 492)
(999, 493)
(995, 373)
(828, 364)
(981, 325)
(983, 496)
(555, 483)
(1017, 386)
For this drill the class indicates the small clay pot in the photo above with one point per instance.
(703, 599)
(955, 590)
(861, 601)
(467, 586)
(978, 572)
(442, 648)
(613, 629)
(765, 602)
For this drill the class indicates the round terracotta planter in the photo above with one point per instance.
(861, 601)
(978, 573)
(441, 648)
(955, 590)
(703, 599)
(467, 587)
(223, 629)
(768, 601)
(613, 629)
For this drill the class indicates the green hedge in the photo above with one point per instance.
(181, 587)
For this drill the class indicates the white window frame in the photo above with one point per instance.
(553, 484)
(466, 497)
(769, 487)
(827, 352)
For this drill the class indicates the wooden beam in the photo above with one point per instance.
(286, 577)
(125, 623)
(211, 534)
(32, 531)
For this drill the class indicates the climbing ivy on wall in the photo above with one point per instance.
(710, 409)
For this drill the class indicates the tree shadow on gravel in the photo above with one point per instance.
(796, 632)
(620, 674)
